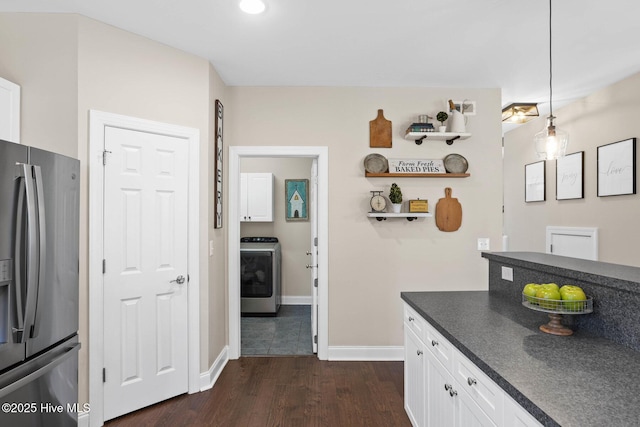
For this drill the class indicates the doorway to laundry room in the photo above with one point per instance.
(275, 256)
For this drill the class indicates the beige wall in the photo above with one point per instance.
(67, 65)
(122, 73)
(371, 262)
(294, 236)
(607, 116)
(217, 321)
(39, 53)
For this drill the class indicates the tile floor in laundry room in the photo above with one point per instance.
(288, 333)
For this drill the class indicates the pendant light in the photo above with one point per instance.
(551, 142)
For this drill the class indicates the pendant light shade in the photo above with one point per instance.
(551, 142)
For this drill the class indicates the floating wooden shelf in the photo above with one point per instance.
(416, 175)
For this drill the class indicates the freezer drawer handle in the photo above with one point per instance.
(31, 376)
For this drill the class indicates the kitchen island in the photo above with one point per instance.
(581, 380)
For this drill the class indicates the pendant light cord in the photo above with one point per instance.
(550, 67)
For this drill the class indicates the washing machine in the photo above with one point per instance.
(260, 276)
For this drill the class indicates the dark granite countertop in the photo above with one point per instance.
(621, 277)
(581, 380)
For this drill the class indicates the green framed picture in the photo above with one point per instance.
(296, 199)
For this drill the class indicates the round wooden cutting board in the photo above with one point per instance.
(448, 212)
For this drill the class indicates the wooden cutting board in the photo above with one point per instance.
(380, 132)
(448, 212)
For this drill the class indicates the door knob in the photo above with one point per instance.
(311, 266)
(308, 252)
(179, 280)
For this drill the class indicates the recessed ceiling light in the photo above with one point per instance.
(253, 7)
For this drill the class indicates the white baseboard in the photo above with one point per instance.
(83, 419)
(366, 353)
(296, 300)
(208, 379)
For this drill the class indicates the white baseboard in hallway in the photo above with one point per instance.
(296, 300)
(366, 353)
(208, 379)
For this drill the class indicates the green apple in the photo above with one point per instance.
(573, 293)
(530, 290)
(550, 286)
(551, 294)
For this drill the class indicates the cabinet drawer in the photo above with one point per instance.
(486, 393)
(414, 321)
(441, 348)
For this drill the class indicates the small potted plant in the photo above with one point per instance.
(395, 196)
(441, 117)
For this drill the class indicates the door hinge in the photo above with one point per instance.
(104, 266)
(551, 249)
(104, 375)
(315, 282)
(315, 339)
(104, 157)
(315, 241)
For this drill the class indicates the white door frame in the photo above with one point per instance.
(233, 253)
(98, 120)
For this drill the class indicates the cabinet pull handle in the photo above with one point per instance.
(448, 387)
(471, 381)
(411, 319)
(419, 352)
(434, 343)
(452, 392)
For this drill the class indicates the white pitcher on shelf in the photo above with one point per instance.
(456, 119)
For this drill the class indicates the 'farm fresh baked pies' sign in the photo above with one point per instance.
(416, 166)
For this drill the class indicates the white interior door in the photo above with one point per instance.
(313, 200)
(145, 274)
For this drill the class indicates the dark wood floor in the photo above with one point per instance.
(287, 391)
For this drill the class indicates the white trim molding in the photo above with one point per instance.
(98, 121)
(296, 300)
(366, 353)
(233, 252)
(209, 378)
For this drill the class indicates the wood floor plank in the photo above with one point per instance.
(287, 392)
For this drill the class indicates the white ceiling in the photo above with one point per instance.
(446, 43)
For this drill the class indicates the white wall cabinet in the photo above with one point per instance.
(9, 111)
(256, 198)
(444, 388)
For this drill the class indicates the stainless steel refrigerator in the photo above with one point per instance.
(39, 233)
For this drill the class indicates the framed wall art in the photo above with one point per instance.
(296, 200)
(534, 188)
(218, 162)
(617, 168)
(570, 177)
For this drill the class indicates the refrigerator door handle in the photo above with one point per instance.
(26, 378)
(32, 263)
(18, 331)
(42, 246)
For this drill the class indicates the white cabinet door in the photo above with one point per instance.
(414, 377)
(256, 203)
(9, 111)
(468, 413)
(440, 392)
(516, 416)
